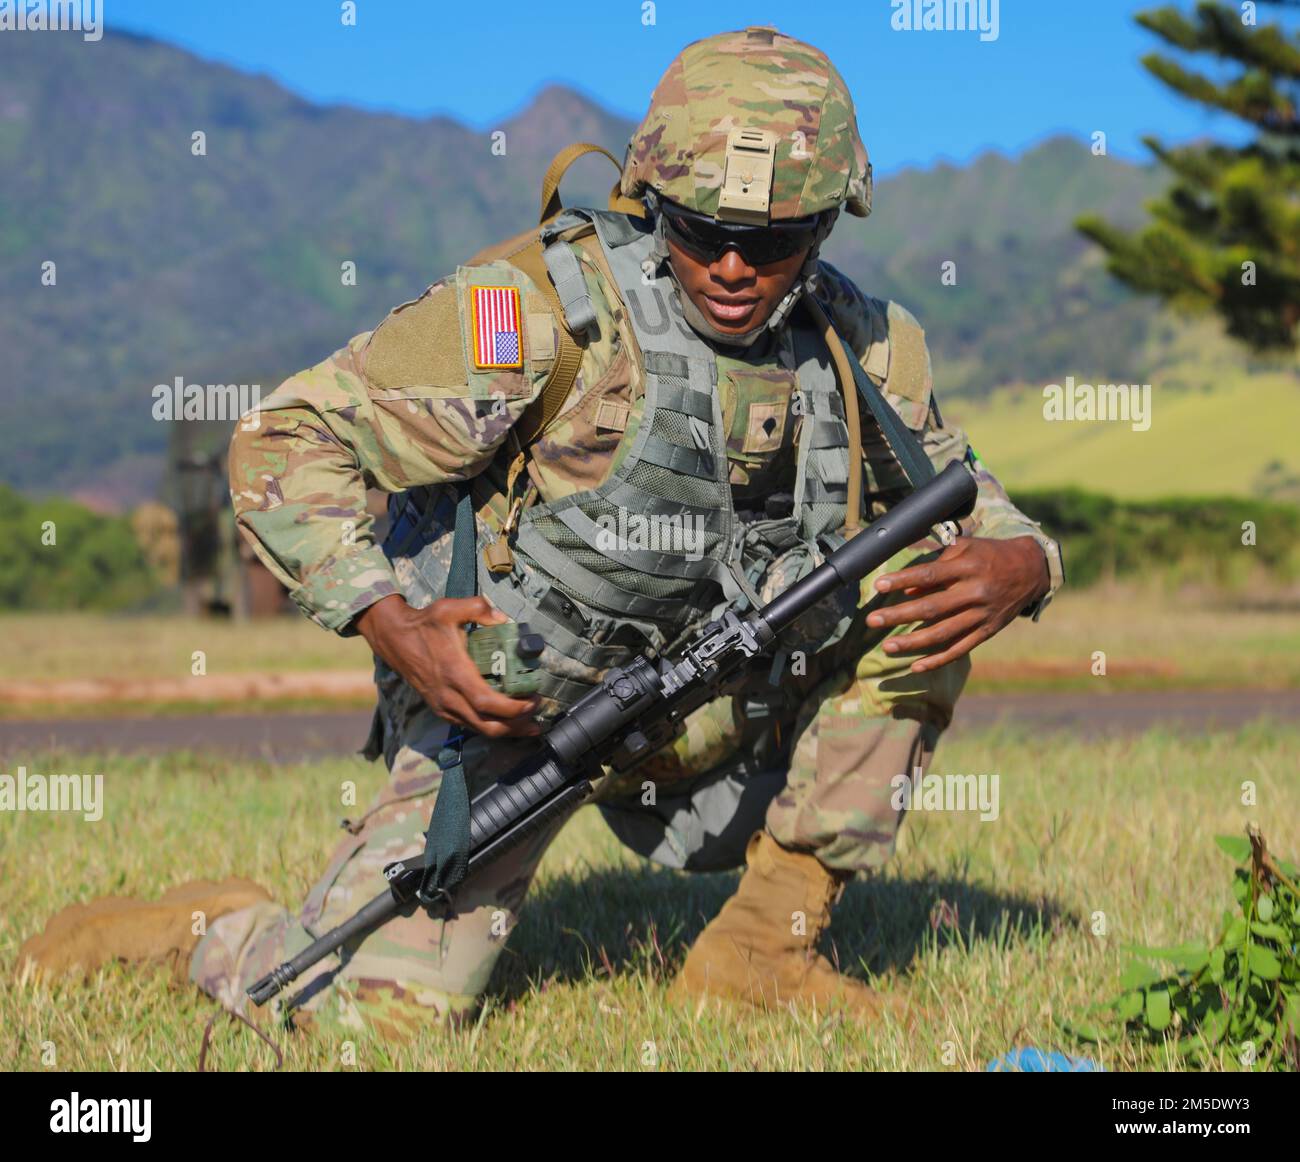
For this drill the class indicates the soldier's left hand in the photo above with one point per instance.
(964, 596)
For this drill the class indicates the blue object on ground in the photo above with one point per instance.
(1036, 1061)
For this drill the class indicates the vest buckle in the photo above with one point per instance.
(497, 556)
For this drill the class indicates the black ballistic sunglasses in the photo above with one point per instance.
(707, 239)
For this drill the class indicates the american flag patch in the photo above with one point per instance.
(495, 316)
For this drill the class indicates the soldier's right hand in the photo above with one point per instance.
(427, 647)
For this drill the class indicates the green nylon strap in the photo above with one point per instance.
(462, 577)
(446, 843)
(904, 444)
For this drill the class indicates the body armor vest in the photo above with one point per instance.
(596, 599)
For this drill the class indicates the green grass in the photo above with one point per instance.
(82, 645)
(1123, 827)
(1206, 641)
(1200, 443)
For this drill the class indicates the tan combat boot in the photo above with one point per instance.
(762, 947)
(86, 936)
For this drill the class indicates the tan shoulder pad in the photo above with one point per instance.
(888, 341)
(908, 382)
(485, 331)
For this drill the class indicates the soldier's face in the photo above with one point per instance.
(734, 296)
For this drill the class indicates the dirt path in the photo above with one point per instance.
(290, 736)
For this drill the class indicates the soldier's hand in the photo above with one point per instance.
(427, 647)
(964, 596)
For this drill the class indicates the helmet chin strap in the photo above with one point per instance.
(805, 283)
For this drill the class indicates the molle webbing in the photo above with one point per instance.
(588, 556)
(570, 287)
(674, 479)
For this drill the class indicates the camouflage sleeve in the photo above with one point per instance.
(402, 406)
(995, 515)
(891, 347)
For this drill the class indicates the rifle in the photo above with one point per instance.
(634, 712)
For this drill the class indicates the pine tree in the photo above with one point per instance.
(1226, 236)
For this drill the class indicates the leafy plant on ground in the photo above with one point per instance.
(1241, 993)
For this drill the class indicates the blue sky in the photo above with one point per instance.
(1056, 65)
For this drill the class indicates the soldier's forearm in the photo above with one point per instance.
(331, 585)
(996, 516)
(300, 502)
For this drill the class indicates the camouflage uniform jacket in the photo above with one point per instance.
(404, 406)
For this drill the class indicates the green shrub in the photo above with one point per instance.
(94, 561)
(1180, 539)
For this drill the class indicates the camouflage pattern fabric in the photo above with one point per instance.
(843, 729)
(326, 434)
(865, 723)
(753, 79)
(415, 969)
(405, 409)
(842, 733)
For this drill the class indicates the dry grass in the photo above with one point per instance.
(1151, 639)
(86, 645)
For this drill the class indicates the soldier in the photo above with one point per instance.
(694, 335)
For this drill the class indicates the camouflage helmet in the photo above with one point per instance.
(734, 106)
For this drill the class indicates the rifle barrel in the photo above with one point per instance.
(950, 494)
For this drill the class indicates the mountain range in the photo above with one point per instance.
(224, 265)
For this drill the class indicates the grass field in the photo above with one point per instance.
(1200, 442)
(1122, 827)
(79, 645)
(1151, 638)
